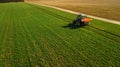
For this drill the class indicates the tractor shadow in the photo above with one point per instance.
(71, 26)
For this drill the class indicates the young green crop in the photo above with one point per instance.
(33, 35)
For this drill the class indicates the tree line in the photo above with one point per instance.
(3, 1)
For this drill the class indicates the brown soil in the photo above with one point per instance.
(102, 8)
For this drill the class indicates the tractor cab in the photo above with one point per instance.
(81, 16)
(81, 20)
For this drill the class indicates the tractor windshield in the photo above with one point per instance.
(81, 16)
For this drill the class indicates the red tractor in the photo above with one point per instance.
(81, 20)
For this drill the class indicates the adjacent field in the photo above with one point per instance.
(109, 9)
(32, 35)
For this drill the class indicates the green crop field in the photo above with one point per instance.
(37, 36)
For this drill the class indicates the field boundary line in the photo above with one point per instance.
(73, 12)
